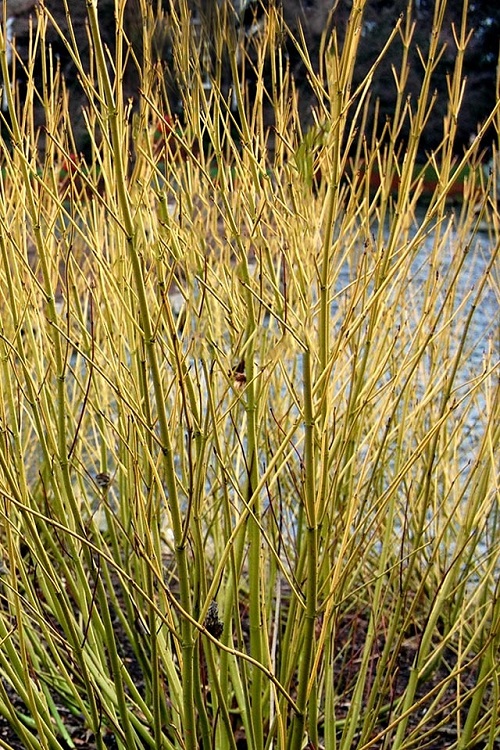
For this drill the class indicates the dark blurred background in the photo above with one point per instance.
(314, 16)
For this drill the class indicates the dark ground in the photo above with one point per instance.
(437, 735)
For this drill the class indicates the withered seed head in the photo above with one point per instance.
(103, 480)
(238, 374)
(212, 622)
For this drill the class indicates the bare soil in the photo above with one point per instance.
(437, 734)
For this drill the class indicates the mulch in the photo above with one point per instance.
(351, 634)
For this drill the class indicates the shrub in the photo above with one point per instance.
(250, 409)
